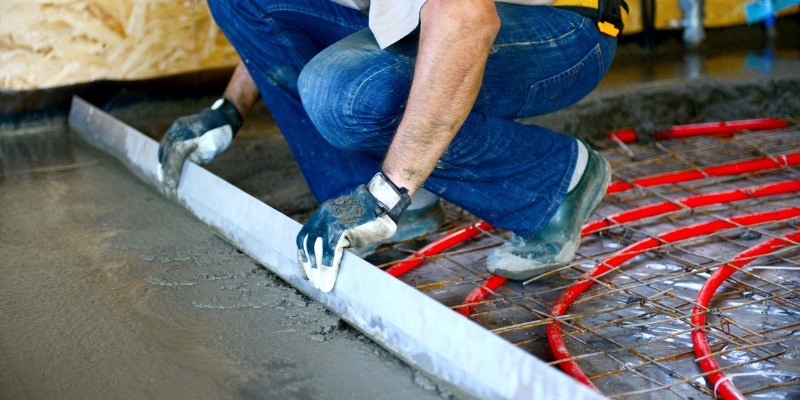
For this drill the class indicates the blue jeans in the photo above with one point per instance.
(338, 99)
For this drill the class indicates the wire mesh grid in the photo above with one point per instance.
(631, 331)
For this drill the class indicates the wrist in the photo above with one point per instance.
(405, 175)
(231, 113)
(392, 198)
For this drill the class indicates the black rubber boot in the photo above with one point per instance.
(554, 246)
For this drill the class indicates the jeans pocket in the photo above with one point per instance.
(566, 88)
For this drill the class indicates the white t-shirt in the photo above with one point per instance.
(391, 20)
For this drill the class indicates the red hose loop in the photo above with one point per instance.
(438, 246)
(569, 295)
(702, 350)
(691, 202)
(734, 168)
(480, 293)
(652, 210)
(470, 232)
(722, 128)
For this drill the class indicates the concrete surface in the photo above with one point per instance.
(111, 291)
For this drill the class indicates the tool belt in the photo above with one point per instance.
(610, 15)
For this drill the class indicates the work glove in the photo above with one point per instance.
(368, 215)
(199, 137)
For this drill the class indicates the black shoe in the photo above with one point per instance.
(554, 246)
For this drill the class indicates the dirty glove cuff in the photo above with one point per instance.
(366, 216)
(393, 199)
(199, 138)
(230, 112)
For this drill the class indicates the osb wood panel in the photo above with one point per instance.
(48, 43)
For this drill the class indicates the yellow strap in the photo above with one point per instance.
(588, 4)
(608, 28)
(576, 3)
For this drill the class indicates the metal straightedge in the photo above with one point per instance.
(416, 328)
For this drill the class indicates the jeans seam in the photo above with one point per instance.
(263, 13)
(307, 11)
(573, 75)
(298, 58)
(539, 42)
(602, 61)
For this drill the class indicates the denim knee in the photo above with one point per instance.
(326, 92)
(350, 100)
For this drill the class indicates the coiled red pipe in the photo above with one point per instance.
(724, 386)
(569, 295)
(652, 210)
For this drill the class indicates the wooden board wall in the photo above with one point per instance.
(47, 43)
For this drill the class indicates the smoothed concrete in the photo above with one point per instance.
(111, 291)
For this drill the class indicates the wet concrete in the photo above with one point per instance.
(111, 291)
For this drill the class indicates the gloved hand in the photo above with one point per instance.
(199, 137)
(367, 216)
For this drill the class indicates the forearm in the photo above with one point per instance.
(455, 39)
(241, 90)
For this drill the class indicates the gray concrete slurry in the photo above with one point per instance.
(110, 291)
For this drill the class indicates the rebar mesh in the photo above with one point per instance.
(631, 332)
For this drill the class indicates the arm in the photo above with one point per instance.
(455, 39)
(241, 90)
